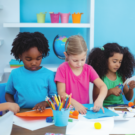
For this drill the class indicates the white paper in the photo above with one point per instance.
(132, 110)
(6, 123)
(84, 126)
(30, 123)
(129, 79)
(124, 127)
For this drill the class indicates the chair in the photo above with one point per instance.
(2, 94)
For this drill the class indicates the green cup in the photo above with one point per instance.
(41, 17)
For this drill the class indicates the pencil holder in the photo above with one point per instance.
(41, 17)
(61, 117)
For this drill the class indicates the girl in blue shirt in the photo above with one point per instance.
(31, 83)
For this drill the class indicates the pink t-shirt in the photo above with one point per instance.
(77, 85)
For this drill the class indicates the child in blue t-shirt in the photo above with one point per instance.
(31, 83)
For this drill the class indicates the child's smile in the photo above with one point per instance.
(32, 59)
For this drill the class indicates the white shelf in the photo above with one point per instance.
(51, 25)
(1, 7)
(51, 67)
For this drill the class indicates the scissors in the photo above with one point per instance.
(121, 86)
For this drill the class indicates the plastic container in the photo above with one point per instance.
(61, 117)
(64, 17)
(54, 17)
(76, 18)
(41, 17)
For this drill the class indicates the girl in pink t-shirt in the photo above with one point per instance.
(73, 76)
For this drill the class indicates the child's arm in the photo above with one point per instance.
(9, 98)
(113, 91)
(61, 91)
(102, 94)
(128, 92)
(10, 106)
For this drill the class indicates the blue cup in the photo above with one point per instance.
(61, 117)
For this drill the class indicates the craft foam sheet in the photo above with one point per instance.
(82, 127)
(99, 114)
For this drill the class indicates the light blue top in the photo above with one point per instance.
(31, 87)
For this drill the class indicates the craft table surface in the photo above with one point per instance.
(16, 130)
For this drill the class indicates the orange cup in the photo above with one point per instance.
(76, 18)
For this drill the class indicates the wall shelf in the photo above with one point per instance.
(48, 25)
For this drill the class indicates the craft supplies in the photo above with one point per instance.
(130, 104)
(125, 114)
(49, 119)
(74, 115)
(57, 103)
(97, 125)
(60, 108)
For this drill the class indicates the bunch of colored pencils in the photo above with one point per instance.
(57, 103)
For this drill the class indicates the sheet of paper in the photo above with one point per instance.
(6, 123)
(30, 123)
(124, 127)
(114, 109)
(131, 110)
(130, 113)
(129, 79)
(83, 127)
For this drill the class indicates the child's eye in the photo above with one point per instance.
(114, 61)
(83, 59)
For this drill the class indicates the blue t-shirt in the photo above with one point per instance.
(31, 87)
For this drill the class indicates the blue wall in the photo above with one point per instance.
(29, 9)
(114, 21)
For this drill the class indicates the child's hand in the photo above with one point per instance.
(40, 106)
(97, 105)
(116, 91)
(80, 108)
(13, 107)
(131, 84)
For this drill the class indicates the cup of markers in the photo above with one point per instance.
(60, 108)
